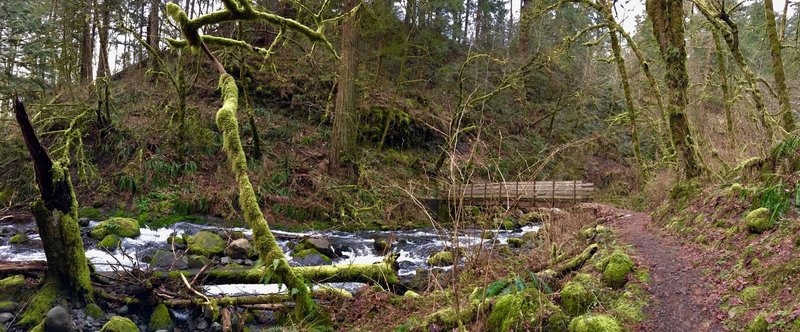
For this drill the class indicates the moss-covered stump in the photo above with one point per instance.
(528, 310)
(207, 244)
(159, 319)
(759, 221)
(18, 238)
(119, 324)
(122, 227)
(594, 323)
(577, 295)
(442, 258)
(110, 242)
(617, 269)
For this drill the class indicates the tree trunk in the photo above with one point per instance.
(103, 19)
(153, 28)
(623, 74)
(787, 118)
(667, 20)
(56, 217)
(344, 119)
(87, 43)
(723, 83)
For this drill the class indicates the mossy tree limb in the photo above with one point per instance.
(56, 215)
(787, 118)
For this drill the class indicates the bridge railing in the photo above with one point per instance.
(525, 192)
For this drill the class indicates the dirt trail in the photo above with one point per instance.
(681, 300)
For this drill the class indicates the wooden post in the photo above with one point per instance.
(574, 192)
(553, 195)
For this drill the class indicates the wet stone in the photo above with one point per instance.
(59, 320)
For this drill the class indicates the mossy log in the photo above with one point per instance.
(381, 273)
(573, 264)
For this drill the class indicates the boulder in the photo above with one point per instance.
(594, 323)
(320, 244)
(518, 311)
(206, 243)
(18, 238)
(122, 227)
(616, 270)
(238, 249)
(442, 258)
(9, 306)
(310, 257)
(197, 261)
(577, 295)
(160, 319)
(119, 324)
(110, 242)
(759, 221)
(58, 320)
(166, 259)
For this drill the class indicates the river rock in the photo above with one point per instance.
(207, 243)
(197, 261)
(9, 306)
(310, 257)
(5, 317)
(442, 258)
(119, 324)
(166, 259)
(238, 249)
(18, 238)
(381, 245)
(122, 227)
(179, 242)
(58, 320)
(320, 244)
(110, 242)
(216, 327)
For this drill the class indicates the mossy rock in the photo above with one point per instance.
(122, 227)
(206, 243)
(311, 257)
(751, 294)
(110, 242)
(12, 285)
(758, 324)
(515, 242)
(159, 319)
(525, 311)
(9, 306)
(119, 324)
(18, 238)
(178, 241)
(442, 258)
(531, 218)
(616, 270)
(759, 221)
(94, 311)
(577, 295)
(410, 293)
(197, 261)
(594, 323)
(39, 305)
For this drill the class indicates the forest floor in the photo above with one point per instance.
(681, 298)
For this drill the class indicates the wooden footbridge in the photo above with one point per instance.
(523, 194)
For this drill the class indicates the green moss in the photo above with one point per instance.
(39, 305)
(617, 268)
(594, 323)
(10, 286)
(110, 242)
(18, 238)
(8, 306)
(305, 252)
(94, 311)
(758, 324)
(442, 258)
(122, 227)
(410, 293)
(515, 242)
(759, 220)
(525, 311)
(576, 296)
(119, 324)
(733, 230)
(629, 307)
(90, 213)
(751, 294)
(207, 244)
(159, 319)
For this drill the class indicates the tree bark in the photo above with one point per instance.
(667, 20)
(787, 118)
(723, 83)
(87, 43)
(344, 135)
(56, 215)
(103, 18)
(153, 33)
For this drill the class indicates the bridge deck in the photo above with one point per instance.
(553, 193)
